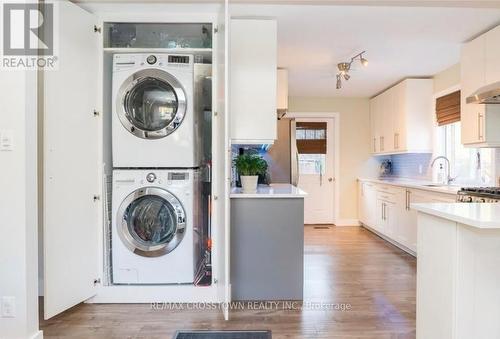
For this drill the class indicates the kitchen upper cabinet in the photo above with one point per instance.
(282, 91)
(253, 81)
(480, 67)
(401, 118)
(492, 56)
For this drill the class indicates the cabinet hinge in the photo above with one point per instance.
(97, 29)
(96, 113)
(97, 281)
(216, 281)
(215, 114)
(216, 197)
(216, 29)
(97, 197)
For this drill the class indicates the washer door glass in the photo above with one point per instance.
(151, 105)
(151, 220)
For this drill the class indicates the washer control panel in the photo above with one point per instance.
(151, 177)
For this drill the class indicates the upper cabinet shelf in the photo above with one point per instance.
(253, 81)
(158, 35)
(480, 66)
(401, 118)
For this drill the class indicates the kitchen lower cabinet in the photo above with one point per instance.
(386, 210)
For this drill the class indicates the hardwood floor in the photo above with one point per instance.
(344, 267)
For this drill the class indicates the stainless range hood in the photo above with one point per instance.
(486, 95)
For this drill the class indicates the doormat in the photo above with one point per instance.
(321, 227)
(223, 335)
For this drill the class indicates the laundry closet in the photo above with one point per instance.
(133, 127)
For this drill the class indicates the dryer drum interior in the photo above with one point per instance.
(152, 221)
(151, 104)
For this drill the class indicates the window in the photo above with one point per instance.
(474, 166)
(311, 146)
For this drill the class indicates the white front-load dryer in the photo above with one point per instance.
(153, 118)
(155, 213)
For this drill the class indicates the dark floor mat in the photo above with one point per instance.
(223, 335)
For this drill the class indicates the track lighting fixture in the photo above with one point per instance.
(345, 67)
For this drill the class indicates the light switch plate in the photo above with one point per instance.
(8, 307)
(6, 140)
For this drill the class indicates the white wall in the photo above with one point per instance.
(447, 78)
(18, 204)
(355, 158)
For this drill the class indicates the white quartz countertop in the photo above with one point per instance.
(480, 215)
(270, 191)
(418, 184)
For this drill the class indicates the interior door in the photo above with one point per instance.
(71, 164)
(316, 169)
(221, 163)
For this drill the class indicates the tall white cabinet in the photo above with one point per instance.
(480, 67)
(401, 118)
(253, 80)
(73, 180)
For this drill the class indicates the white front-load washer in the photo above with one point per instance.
(153, 120)
(155, 214)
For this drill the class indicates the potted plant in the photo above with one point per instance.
(249, 166)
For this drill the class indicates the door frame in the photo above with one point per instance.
(336, 151)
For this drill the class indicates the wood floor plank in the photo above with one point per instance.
(343, 265)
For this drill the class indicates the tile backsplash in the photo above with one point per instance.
(411, 166)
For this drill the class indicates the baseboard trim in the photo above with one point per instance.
(347, 222)
(391, 241)
(37, 335)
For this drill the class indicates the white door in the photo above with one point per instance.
(71, 164)
(221, 163)
(316, 169)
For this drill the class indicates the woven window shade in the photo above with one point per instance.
(314, 138)
(448, 109)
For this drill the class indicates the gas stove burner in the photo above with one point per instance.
(479, 194)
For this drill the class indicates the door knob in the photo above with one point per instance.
(330, 179)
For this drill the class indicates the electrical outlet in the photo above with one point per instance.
(8, 307)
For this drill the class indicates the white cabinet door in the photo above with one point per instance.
(367, 203)
(492, 56)
(406, 234)
(391, 219)
(472, 78)
(71, 164)
(253, 80)
(221, 164)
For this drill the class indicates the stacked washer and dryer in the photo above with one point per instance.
(157, 156)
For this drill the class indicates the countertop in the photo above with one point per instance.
(270, 191)
(480, 215)
(418, 184)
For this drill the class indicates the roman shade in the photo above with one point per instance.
(448, 109)
(311, 137)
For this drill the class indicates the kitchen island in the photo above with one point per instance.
(458, 271)
(267, 243)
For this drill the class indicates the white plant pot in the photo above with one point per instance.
(249, 183)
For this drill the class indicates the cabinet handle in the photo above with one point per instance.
(408, 200)
(479, 128)
(396, 140)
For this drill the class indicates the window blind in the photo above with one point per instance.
(448, 109)
(311, 137)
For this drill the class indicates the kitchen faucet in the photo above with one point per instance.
(449, 178)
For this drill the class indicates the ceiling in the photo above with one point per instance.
(400, 42)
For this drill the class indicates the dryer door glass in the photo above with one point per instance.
(151, 105)
(151, 220)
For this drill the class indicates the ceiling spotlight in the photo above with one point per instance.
(339, 82)
(364, 61)
(345, 67)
